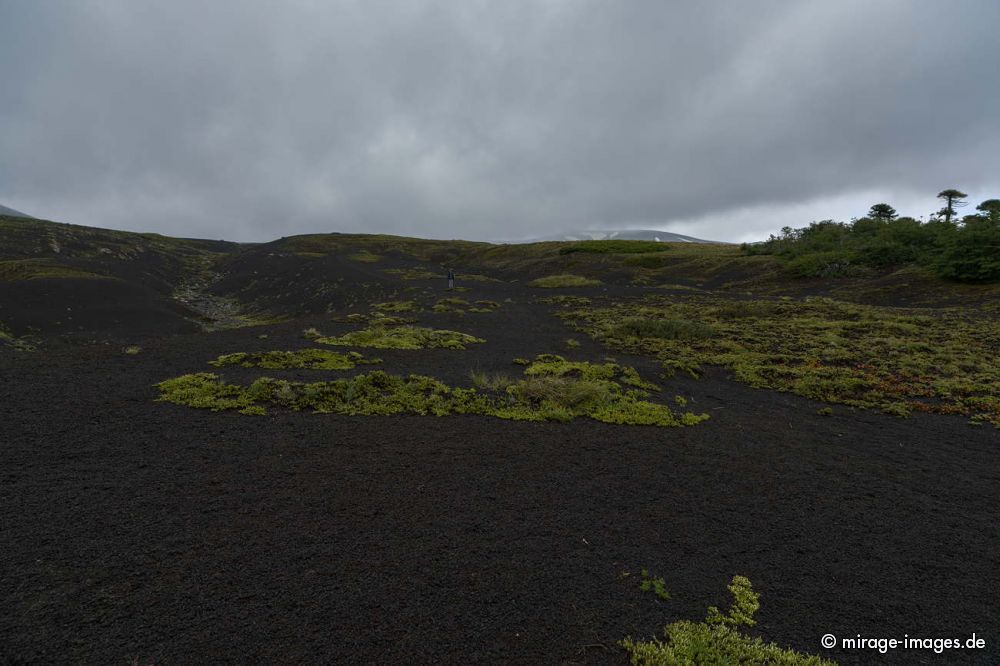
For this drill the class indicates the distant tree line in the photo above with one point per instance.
(966, 249)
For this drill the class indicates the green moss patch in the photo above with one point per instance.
(396, 306)
(551, 389)
(315, 359)
(564, 280)
(896, 360)
(461, 306)
(402, 337)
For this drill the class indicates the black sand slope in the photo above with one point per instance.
(141, 532)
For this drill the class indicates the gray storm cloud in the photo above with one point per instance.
(250, 120)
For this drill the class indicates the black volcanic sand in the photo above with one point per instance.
(133, 529)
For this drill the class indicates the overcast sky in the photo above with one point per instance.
(253, 119)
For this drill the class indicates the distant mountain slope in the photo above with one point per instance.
(11, 212)
(72, 280)
(624, 234)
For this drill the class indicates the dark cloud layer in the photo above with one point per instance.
(252, 119)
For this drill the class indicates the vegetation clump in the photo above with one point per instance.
(314, 359)
(717, 639)
(566, 300)
(667, 328)
(564, 280)
(892, 359)
(395, 306)
(365, 256)
(654, 584)
(401, 337)
(551, 389)
(451, 304)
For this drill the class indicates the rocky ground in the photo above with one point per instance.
(138, 530)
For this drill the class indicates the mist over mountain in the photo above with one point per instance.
(11, 212)
(622, 234)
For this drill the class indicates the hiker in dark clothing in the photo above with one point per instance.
(451, 278)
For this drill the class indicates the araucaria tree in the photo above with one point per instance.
(953, 199)
(882, 212)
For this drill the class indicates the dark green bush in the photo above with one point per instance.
(966, 252)
(972, 253)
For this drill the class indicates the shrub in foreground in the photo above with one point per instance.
(716, 639)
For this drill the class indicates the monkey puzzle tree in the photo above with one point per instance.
(953, 199)
(882, 212)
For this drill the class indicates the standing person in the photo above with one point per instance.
(451, 278)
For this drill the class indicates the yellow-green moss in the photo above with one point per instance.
(893, 359)
(548, 391)
(402, 337)
(395, 306)
(564, 280)
(316, 359)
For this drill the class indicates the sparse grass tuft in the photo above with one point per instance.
(491, 381)
(132, 350)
